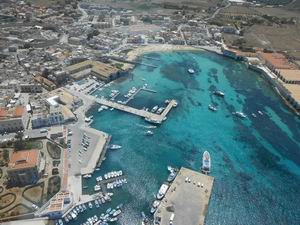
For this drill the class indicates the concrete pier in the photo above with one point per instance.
(186, 200)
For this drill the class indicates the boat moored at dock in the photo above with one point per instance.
(206, 163)
(162, 191)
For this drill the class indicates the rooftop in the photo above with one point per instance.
(188, 201)
(7, 113)
(95, 66)
(24, 159)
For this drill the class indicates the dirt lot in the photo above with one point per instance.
(286, 38)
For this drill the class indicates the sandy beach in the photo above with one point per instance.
(133, 54)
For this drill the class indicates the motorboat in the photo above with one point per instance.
(219, 93)
(254, 115)
(160, 110)
(175, 104)
(240, 114)
(154, 109)
(162, 191)
(212, 108)
(87, 176)
(149, 132)
(116, 213)
(260, 112)
(191, 71)
(145, 220)
(90, 205)
(154, 206)
(100, 109)
(152, 121)
(206, 163)
(97, 187)
(172, 176)
(113, 147)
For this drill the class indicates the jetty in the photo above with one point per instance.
(131, 62)
(186, 201)
(139, 112)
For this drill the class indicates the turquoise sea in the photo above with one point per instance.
(255, 161)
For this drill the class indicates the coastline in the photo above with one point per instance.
(135, 53)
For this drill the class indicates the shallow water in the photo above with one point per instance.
(255, 161)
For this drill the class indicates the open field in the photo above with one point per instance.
(278, 12)
(164, 7)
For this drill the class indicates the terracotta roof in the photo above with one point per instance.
(11, 113)
(24, 159)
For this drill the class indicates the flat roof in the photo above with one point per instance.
(188, 201)
(15, 112)
(98, 67)
(292, 75)
(23, 159)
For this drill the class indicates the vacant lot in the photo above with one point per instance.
(285, 38)
(34, 193)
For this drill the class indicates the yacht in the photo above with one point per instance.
(206, 163)
(212, 108)
(191, 71)
(240, 114)
(219, 93)
(162, 191)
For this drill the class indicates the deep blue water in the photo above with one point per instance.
(255, 161)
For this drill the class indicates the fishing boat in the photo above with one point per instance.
(191, 71)
(219, 93)
(212, 108)
(206, 163)
(113, 147)
(162, 191)
(239, 114)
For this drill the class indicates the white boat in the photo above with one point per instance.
(172, 176)
(240, 114)
(90, 205)
(212, 108)
(113, 147)
(116, 213)
(260, 112)
(206, 163)
(100, 109)
(152, 121)
(159, 111)
(191, 71)
(219, 93)
(87, 176)
(162, 191)
(254, 115)
(154, 206)
(149, 132)
(154, 109)
(97, 187)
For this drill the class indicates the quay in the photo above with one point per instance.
(131, 62)
(185, 202)
(139, 112)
